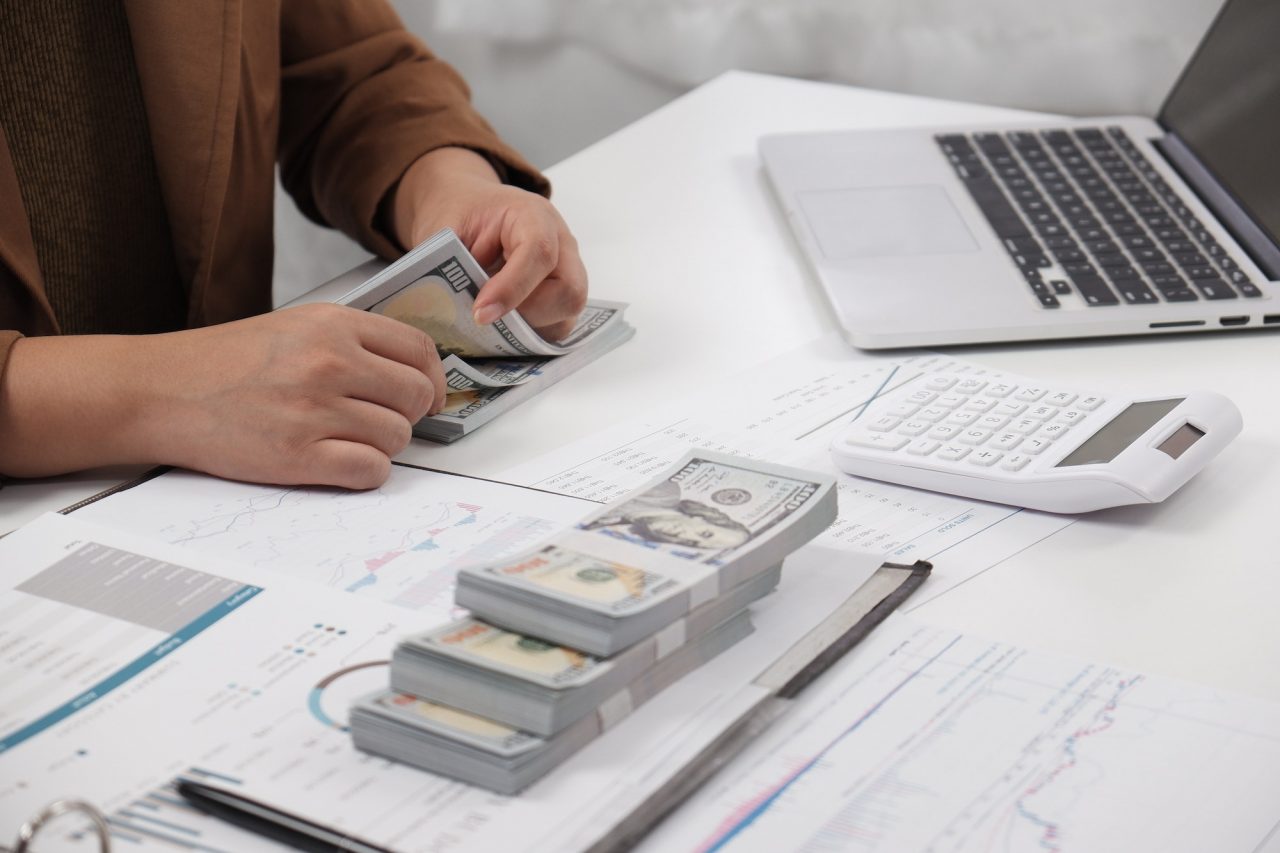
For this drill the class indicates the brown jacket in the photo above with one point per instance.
(335, 91)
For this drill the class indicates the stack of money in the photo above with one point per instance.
(479, 751)
(488, 369)
(537, 686)
(713, 522)
(566, 639)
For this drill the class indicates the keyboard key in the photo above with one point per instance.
(878, 441)
(914, 428)
(974, 436)
(950, 401)
(980, 404)
(922, 447)
(1061, 398)
(1008, 408)
(1136, 293)
(953, 452)
(1015, 462)
(960, 417)
(1095, 291)
(1034, 445)
(922, 396)
(1070, 416)
(1006, 441)
(1053, 430)
(1089, 403)
(985, 458)
(992, 422)
(944, 432)
(1214, 289)
(1042, 412)
(971, 386)
(939, 383)
(903, 410)
(1031, 394)
(1000, 389)
(1026, 426)
(932, 413)
(884, 423)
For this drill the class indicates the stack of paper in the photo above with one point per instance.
(567, 639)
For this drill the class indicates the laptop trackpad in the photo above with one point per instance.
(885, 221)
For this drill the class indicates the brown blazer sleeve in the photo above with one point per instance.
(7, 337)
(361, 100)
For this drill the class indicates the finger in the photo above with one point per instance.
(531, 256)
(367, 423)
(349, 464)
(395, 386)
(556, 303)
(407, 345)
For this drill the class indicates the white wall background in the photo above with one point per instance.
(556, 75)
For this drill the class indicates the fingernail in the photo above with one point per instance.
(486, 314)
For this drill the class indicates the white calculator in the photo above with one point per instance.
(1023, 443)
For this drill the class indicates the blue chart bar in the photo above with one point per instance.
(153, 656)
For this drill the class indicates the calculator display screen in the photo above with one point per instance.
(1123, 430)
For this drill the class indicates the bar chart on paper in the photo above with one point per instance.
(930, 740)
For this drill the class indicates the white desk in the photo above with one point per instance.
(674, 217)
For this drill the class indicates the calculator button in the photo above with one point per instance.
(1006, 441)
(884, 423)
(878, 441)
(1061, 398)
(1035, 446)
(961, 418)
(985, 457)
(1010, 409)
(1089, 403)
(922, 447)
(974, 436)
(953, 452)
(971, 386)
(1015, 462)
(980, 404)
(1041, 413)
(944, 432)
(914, 428)
(1025, 426)
(1052, 431)
(950, 401)
(932, 413)
(939, 383)
(922, 396)
(1030, 395)
(1070, 416)
(903, 410)
(1000, 389)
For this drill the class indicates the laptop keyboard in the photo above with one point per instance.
(1083, 211)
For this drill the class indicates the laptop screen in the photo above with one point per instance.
(1226, 107)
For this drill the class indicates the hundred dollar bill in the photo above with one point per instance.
(705, 526)
(540, 686)
(489, 373)
(482, 752)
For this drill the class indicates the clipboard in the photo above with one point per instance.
(783, 681)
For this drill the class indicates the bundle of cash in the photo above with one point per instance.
(488, 369)
(540, 687)
(473, 749)
(709, 524)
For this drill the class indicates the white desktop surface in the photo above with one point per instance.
(674, 217)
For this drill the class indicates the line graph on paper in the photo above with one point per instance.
(934, 741)
(401, 543)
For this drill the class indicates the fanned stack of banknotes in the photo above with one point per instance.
(567, 639)
(489, 369)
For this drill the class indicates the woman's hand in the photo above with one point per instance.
(517, 233)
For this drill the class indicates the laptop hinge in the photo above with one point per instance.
(1251, 237)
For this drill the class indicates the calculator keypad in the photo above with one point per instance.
(972, 421)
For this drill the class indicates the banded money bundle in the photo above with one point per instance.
(488, 369)
(709, 524)
(540, 687)
(501, 758)
(567, 639)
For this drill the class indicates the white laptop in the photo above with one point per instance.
(1079, 228)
